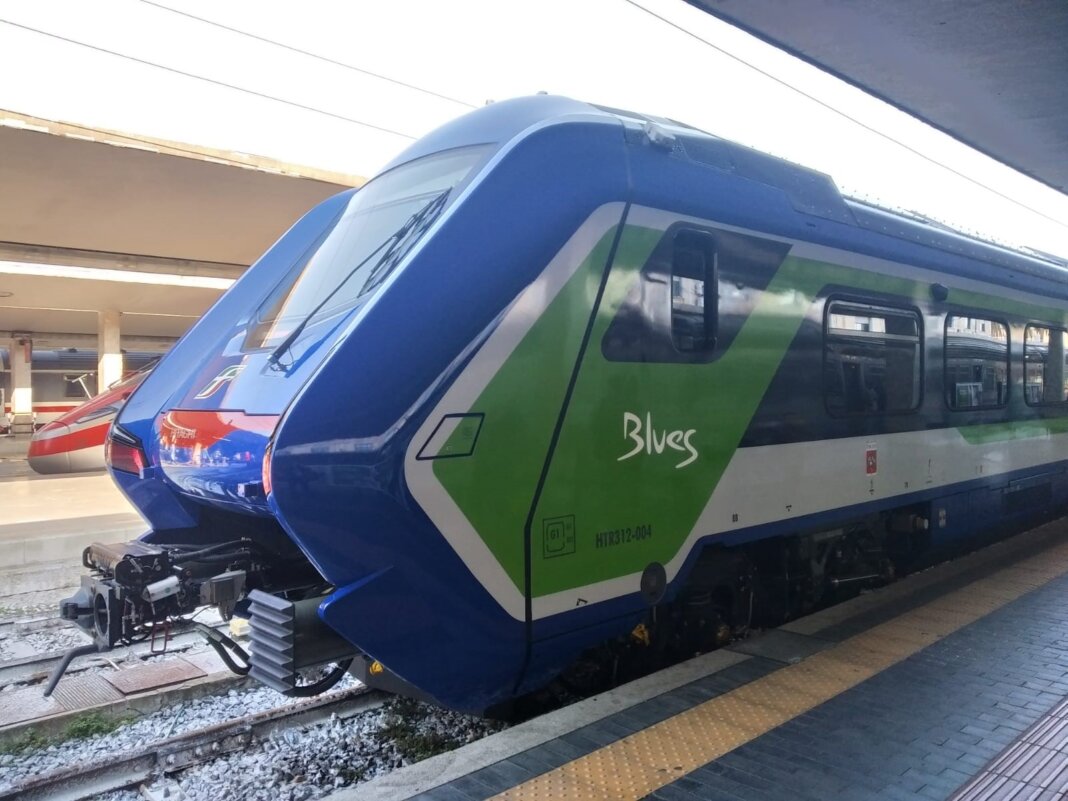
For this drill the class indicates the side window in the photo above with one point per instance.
(1044, 365)
(977, 362)
(693, 293)
(691, 297)
(872, 358)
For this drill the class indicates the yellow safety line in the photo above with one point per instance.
(639, 764)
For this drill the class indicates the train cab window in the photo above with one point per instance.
(1045, 376)
(693, 293)
(357, 251)
(977, 362)
(872, 359)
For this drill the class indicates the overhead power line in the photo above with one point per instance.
(310, 54)
(212, 81)
(844, 114)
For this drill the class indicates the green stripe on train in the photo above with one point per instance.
(1017, 429)
(600, 517)
(495, 487)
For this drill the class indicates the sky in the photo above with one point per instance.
(346, 86)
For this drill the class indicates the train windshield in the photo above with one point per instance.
(380, 224)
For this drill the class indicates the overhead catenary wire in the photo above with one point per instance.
(310, 54)
(390, 131)
(213, 81)
(843, 114)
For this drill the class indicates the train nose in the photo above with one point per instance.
(49, 452)
(216, 454)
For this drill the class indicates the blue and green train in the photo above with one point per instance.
(566, 385)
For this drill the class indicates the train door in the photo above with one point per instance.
(660, 401)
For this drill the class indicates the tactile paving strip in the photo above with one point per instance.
(1034, 768)
(638, 765)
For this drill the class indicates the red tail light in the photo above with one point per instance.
(124, 455)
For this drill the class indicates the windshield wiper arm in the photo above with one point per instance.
(421, 219)
(416, 226)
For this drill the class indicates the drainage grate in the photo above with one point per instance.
(82, 692)
(152, 675)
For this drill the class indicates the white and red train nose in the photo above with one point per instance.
(63, 448)
(74, 442)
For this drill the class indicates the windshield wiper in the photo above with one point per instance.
(393, 245)
(415, 228)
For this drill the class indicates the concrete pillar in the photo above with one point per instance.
(21, 351)
(109, 353)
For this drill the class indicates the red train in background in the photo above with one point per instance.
(74, 441)
(69, 422)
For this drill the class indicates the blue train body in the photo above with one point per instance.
(336, 399)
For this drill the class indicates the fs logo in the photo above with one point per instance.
(220, 381)
(648, 439)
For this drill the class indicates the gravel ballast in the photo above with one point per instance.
(296, 763)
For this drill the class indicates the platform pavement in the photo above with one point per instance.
(13, 455)
(908, 693)
(49, 520)
(919, 729)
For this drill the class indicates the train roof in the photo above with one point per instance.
(73, 360)
(810, 191)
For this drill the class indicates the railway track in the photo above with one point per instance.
(25, 624)
(181, 752)
(35, 669)
(169, 756)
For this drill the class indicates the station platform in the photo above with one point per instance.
(46, 521)
(949, 684)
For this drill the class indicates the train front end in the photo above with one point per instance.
(74, 442)
(267, 450)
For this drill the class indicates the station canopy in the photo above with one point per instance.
(93, 220)
(991, 73)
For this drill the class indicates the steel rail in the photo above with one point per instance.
(185, 750)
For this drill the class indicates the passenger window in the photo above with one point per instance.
(872, 359)
(693, 278)
(977, 362)
(691, 297)
(1044, 365)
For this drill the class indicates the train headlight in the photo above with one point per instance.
(266, 472)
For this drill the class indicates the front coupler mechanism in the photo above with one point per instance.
(138, 591)
(136, 588)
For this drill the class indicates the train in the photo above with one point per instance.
(61, 379)
(566, 392)
(73, 442)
